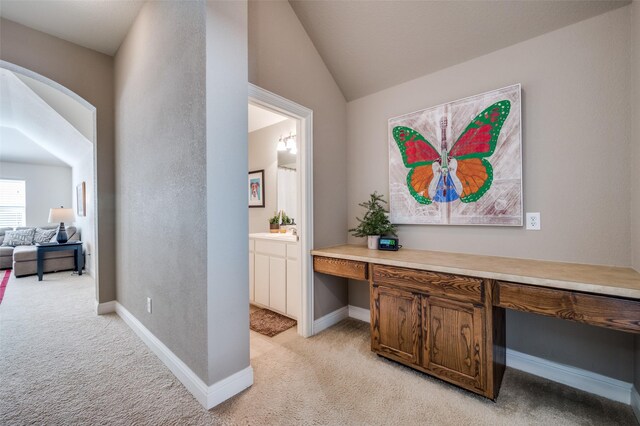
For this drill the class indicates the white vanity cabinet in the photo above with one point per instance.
(293, 281)
(252, 282)
(274, 274)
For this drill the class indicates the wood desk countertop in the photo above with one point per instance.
(595, 279)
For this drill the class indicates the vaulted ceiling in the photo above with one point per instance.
(30, 128)
(369, 46)
(97, 24)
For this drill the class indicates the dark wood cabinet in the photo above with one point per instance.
(453, 342)
(437, 323)
(444, 313)
(395, 330)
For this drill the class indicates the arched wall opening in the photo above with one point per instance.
(64, 124)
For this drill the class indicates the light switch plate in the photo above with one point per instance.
(148, 305)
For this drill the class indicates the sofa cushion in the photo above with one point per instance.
(20, 237)
(6, 251)
(2, 231)
(43, 235)
(28, 254)
(72, 231)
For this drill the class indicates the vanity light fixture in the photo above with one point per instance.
(287, 143)
(291, 142)
(281, 145)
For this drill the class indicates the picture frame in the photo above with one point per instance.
(459, 163)
(255, 188)
(81, 199)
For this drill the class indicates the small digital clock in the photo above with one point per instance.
(388, 243)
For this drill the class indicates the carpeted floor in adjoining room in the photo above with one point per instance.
(62, 364)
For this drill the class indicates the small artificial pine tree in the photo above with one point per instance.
(375, 220)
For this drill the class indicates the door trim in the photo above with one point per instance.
(265, 99)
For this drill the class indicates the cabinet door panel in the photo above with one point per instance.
(454, 341)
(252, 284)
(293, 288)
(261, 279)
(278, 284)
(396, 323)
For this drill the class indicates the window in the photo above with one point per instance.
(12, 203)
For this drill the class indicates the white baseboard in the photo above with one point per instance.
(330, 319)
(106, 307)
(578, 378)
(635, 402)
(574, 377)
(359, 313)
(208, 396)
(230, 386)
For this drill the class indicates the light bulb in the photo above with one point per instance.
(281, 145)
(291, 142)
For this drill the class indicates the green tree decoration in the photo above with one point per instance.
(375, 220)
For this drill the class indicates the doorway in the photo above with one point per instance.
(55, 121)
(297, 138)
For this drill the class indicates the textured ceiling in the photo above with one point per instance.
(97, 24)
(371, 45)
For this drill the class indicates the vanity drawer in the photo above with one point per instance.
(272, 248)
(340, 267)
(433, 283)
(603, 311)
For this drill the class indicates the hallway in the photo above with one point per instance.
(62, 364)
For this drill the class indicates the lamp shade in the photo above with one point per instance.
(61, 215)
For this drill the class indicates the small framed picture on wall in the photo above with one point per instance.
(81, 201)
(256, 188)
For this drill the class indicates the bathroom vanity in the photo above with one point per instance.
(274, 273)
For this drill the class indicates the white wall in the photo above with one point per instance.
(283, 60)
(226, 181)
(263, 155)
(89, 74)
(161, 176)
(83, 172)
(576, 147)
(635, 177)
(46, 187)
(181, 178)
(635, 142)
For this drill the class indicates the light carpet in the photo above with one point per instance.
(62, 364)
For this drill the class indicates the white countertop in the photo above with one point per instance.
(289, 238)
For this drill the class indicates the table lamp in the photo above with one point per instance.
(61, 216)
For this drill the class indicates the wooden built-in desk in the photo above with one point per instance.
(443, 313)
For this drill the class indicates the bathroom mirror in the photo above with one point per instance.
(287, 176)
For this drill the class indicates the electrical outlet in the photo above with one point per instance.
(148, 304)
(533, 221)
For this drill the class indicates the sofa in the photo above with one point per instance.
(23, 258)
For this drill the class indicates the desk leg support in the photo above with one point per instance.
(40, 265)
(79, 260)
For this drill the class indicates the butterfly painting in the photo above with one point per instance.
(461, 162)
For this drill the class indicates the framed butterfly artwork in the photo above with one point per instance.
(459, 163)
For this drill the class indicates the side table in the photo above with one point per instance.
(41, 249)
